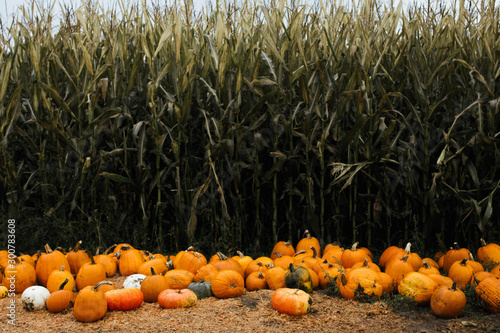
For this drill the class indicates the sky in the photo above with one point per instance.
(9, 7)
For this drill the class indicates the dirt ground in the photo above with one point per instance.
(253, 313)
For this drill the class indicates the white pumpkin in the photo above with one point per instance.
(35, 298)
(134, 281)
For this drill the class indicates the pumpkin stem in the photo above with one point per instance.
(426, 264)
(61, 287)
(118, 254)
(152, 271)
(471, 256)
(91, 256)
(354, 246)
(404, 258)
(77, 246)
(408, 248)
(483, 242)
(109, 249)
(288, 243)
(94, 288)
(464, 262)
(97, 251)
(191, 248)
(221, 256)
(291, 268)
(454, 286)
(455, 244)
(125, 247)
(315, 253)
(260, 276)
(279, 255)
(47, 248)
(299, 252)
(365, 263)
(307, 234)
(240, 254)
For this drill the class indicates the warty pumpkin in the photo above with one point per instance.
(418, 287)
(488, 293)
(291, 301)
(177, 298)
(360, 283)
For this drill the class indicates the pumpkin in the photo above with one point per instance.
(191, 261)
(106, 287)
(260, 264)
(56, 278)
(307, 241)
(201, 289)
(291, 301)
(475, 265)
(454, 254)
(488, 293)
(228, 284)
(129, 260)
(134, 281)
(282, 261)
(366, 264)
(388, 254)
(225, 263)
(29, 259)
(90, 304)
(160, 267)
(77, 258)
(152, 286)
(124, 299)
(298, 277)
(441, 280)
(62, 298)
(488, 254)
(333, 255)
(205, 273)
(90, 273)
(284, 248)
(360, 283)
(177, 298)
(178, 256)
(3, 291)
(353, 255)
(35, 297)
(386, 282)
(119, 248)
(418, 287)
(431, 262)
(428, 269)
(46, 263)
(110, 263)
(413, 258)
(275, 277)
(398, 269)
(19, 277)
(179, 278)
(496, 271)
(243, 260)
(256, 281)
(461, 273)
(480, 276)
(328, 273)
(448, 302)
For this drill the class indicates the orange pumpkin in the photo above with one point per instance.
(448, 302)
(172, 298)
(291, 301)
(281, 260)
(243, 260)
(398, 269)
(328, 273)
(454, 254)
(461, 273)
(90, 304)
(225, 263)
(22, 275)
(307, 241)
(152, 286)
(129, 260)
(388, 254)
(179, 278)
(228, 284)
(361, 282)
(57, 277)
(191, 261)
(77, 258)
(205, 273)
(260, 264)
(275, 277)
(488, 292)
(90, 274)
(285, 248)
(124, 299)
(256, 281)
(353, 255)
(488, 254)
(417, 286)
(48, 262)
(159, 266)
(61, 299)
(428, 269)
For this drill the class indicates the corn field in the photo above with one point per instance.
(249, 122)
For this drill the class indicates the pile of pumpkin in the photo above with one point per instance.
(47, 280)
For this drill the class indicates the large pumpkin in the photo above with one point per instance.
(48, 262)
(124, 299)
(228, 284)
(22, 276)
(488, 293)
(448, 302)
(129, 260)
(291, 301)
(90, 304)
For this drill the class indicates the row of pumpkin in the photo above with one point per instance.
(181, 279)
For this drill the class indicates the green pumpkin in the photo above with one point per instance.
(201, 289)
(298, 277)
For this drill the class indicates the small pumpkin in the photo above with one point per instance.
(448, 302)
(389, 253)
(428, 269)
(3, 291)
(228, 284)
(398, 269)
(201, 289)
(90, 304)
(177, 298)
(243, 260)
(57, 277)
(307, 241)
(282, 261)
(124, 299)
(353, 255)
(298, 277)
(454, 254)
(61, 299)
(160, 267)
(129, 260)
(275, 277)
(461, 273)
(328, 273)
(35, 298)
(260, 264)
(256, 281)
(291, 301)
(110, 263)
(22, 276)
